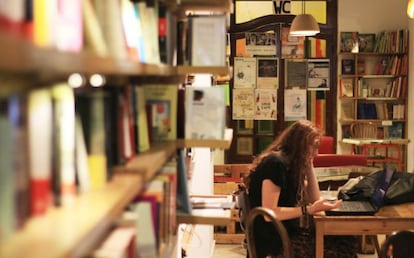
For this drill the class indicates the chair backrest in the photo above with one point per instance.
(280, 228)
(363, 130)
(399, 244)
(243, 204)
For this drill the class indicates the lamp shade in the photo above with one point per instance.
(410, 9)
(304, 25)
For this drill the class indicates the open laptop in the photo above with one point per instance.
(369, 207)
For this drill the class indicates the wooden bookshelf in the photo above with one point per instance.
(24, 57)
(74, 230)
(219, 144)
(149, 162)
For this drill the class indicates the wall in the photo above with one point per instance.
(374, 16)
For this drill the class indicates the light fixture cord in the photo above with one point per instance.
(303, 7)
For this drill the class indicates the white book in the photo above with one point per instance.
(208, 40)
(205, 112)
(146, 240)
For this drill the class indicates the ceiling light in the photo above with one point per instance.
(304, 24)
(410, 9)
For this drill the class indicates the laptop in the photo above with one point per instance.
(369, 207)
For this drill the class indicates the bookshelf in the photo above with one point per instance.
(373, 88)
(76, 229)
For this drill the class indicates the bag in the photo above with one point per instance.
(400, 190)
(243, 204)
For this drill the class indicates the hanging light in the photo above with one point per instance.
(410, 9)
(304, 24)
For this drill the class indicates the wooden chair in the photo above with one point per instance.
(287, 251)
(399, 244)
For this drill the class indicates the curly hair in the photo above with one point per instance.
(294, 143)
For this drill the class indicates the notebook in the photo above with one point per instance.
(369, 207)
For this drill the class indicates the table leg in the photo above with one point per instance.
(319, 233)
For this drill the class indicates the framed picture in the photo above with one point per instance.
(318, 74)
(265, 126)
(295, 73)
(267, 72)
(244, 127)
(245, 146)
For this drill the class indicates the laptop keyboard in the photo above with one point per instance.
(356, 206)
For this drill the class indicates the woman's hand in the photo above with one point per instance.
(323, 205)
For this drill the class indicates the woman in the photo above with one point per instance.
(282, 178)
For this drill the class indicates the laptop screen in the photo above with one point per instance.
(382, 187)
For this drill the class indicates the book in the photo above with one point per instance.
(161, 105)
(64, 143)
(183, 203)
(69, 36)
(349, 41)
(126, 124)
(93, 35)
(44, 19)
(109, 17)
(7, 180)
(141, 117)
(396, 130)
(348, 66)
(146, 233)
(207, 40)
(132, 31)
(81, 157)
(17, 110)
(347, 87)
(366, 110)
(90, 107)
(148, 17)
(316, 47)
(40, 137)
(366, 42)
(205, 112)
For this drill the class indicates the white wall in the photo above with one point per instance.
(374, 16)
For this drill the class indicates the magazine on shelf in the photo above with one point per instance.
(205, 112)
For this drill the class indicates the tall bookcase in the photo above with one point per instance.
(373, 90)
(75, 230)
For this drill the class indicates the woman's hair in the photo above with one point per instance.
(294, 144)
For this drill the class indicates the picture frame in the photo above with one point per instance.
(244, 145)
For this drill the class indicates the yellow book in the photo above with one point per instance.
(97, 171)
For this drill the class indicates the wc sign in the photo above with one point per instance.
(281, 6)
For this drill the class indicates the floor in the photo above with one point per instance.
(238, 251)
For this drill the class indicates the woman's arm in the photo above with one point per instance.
(270, 199)
(312, 192)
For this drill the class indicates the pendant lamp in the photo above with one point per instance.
(410, 9)
(304, 24)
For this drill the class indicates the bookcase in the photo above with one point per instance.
(373, 89)
(76, 229)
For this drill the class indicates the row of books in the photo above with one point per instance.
(394, 88)
(381, 111)
(120, 29)
(382, 42)
(148, 222)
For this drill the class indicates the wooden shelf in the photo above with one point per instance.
(74, 230)
(220, 70)
(24, 57)
(206, 217)
(375, 141)
(201, 5)
(148, 163)
(219, 144)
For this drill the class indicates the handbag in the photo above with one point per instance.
(400, 190)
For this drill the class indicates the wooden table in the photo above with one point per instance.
(388, 219)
